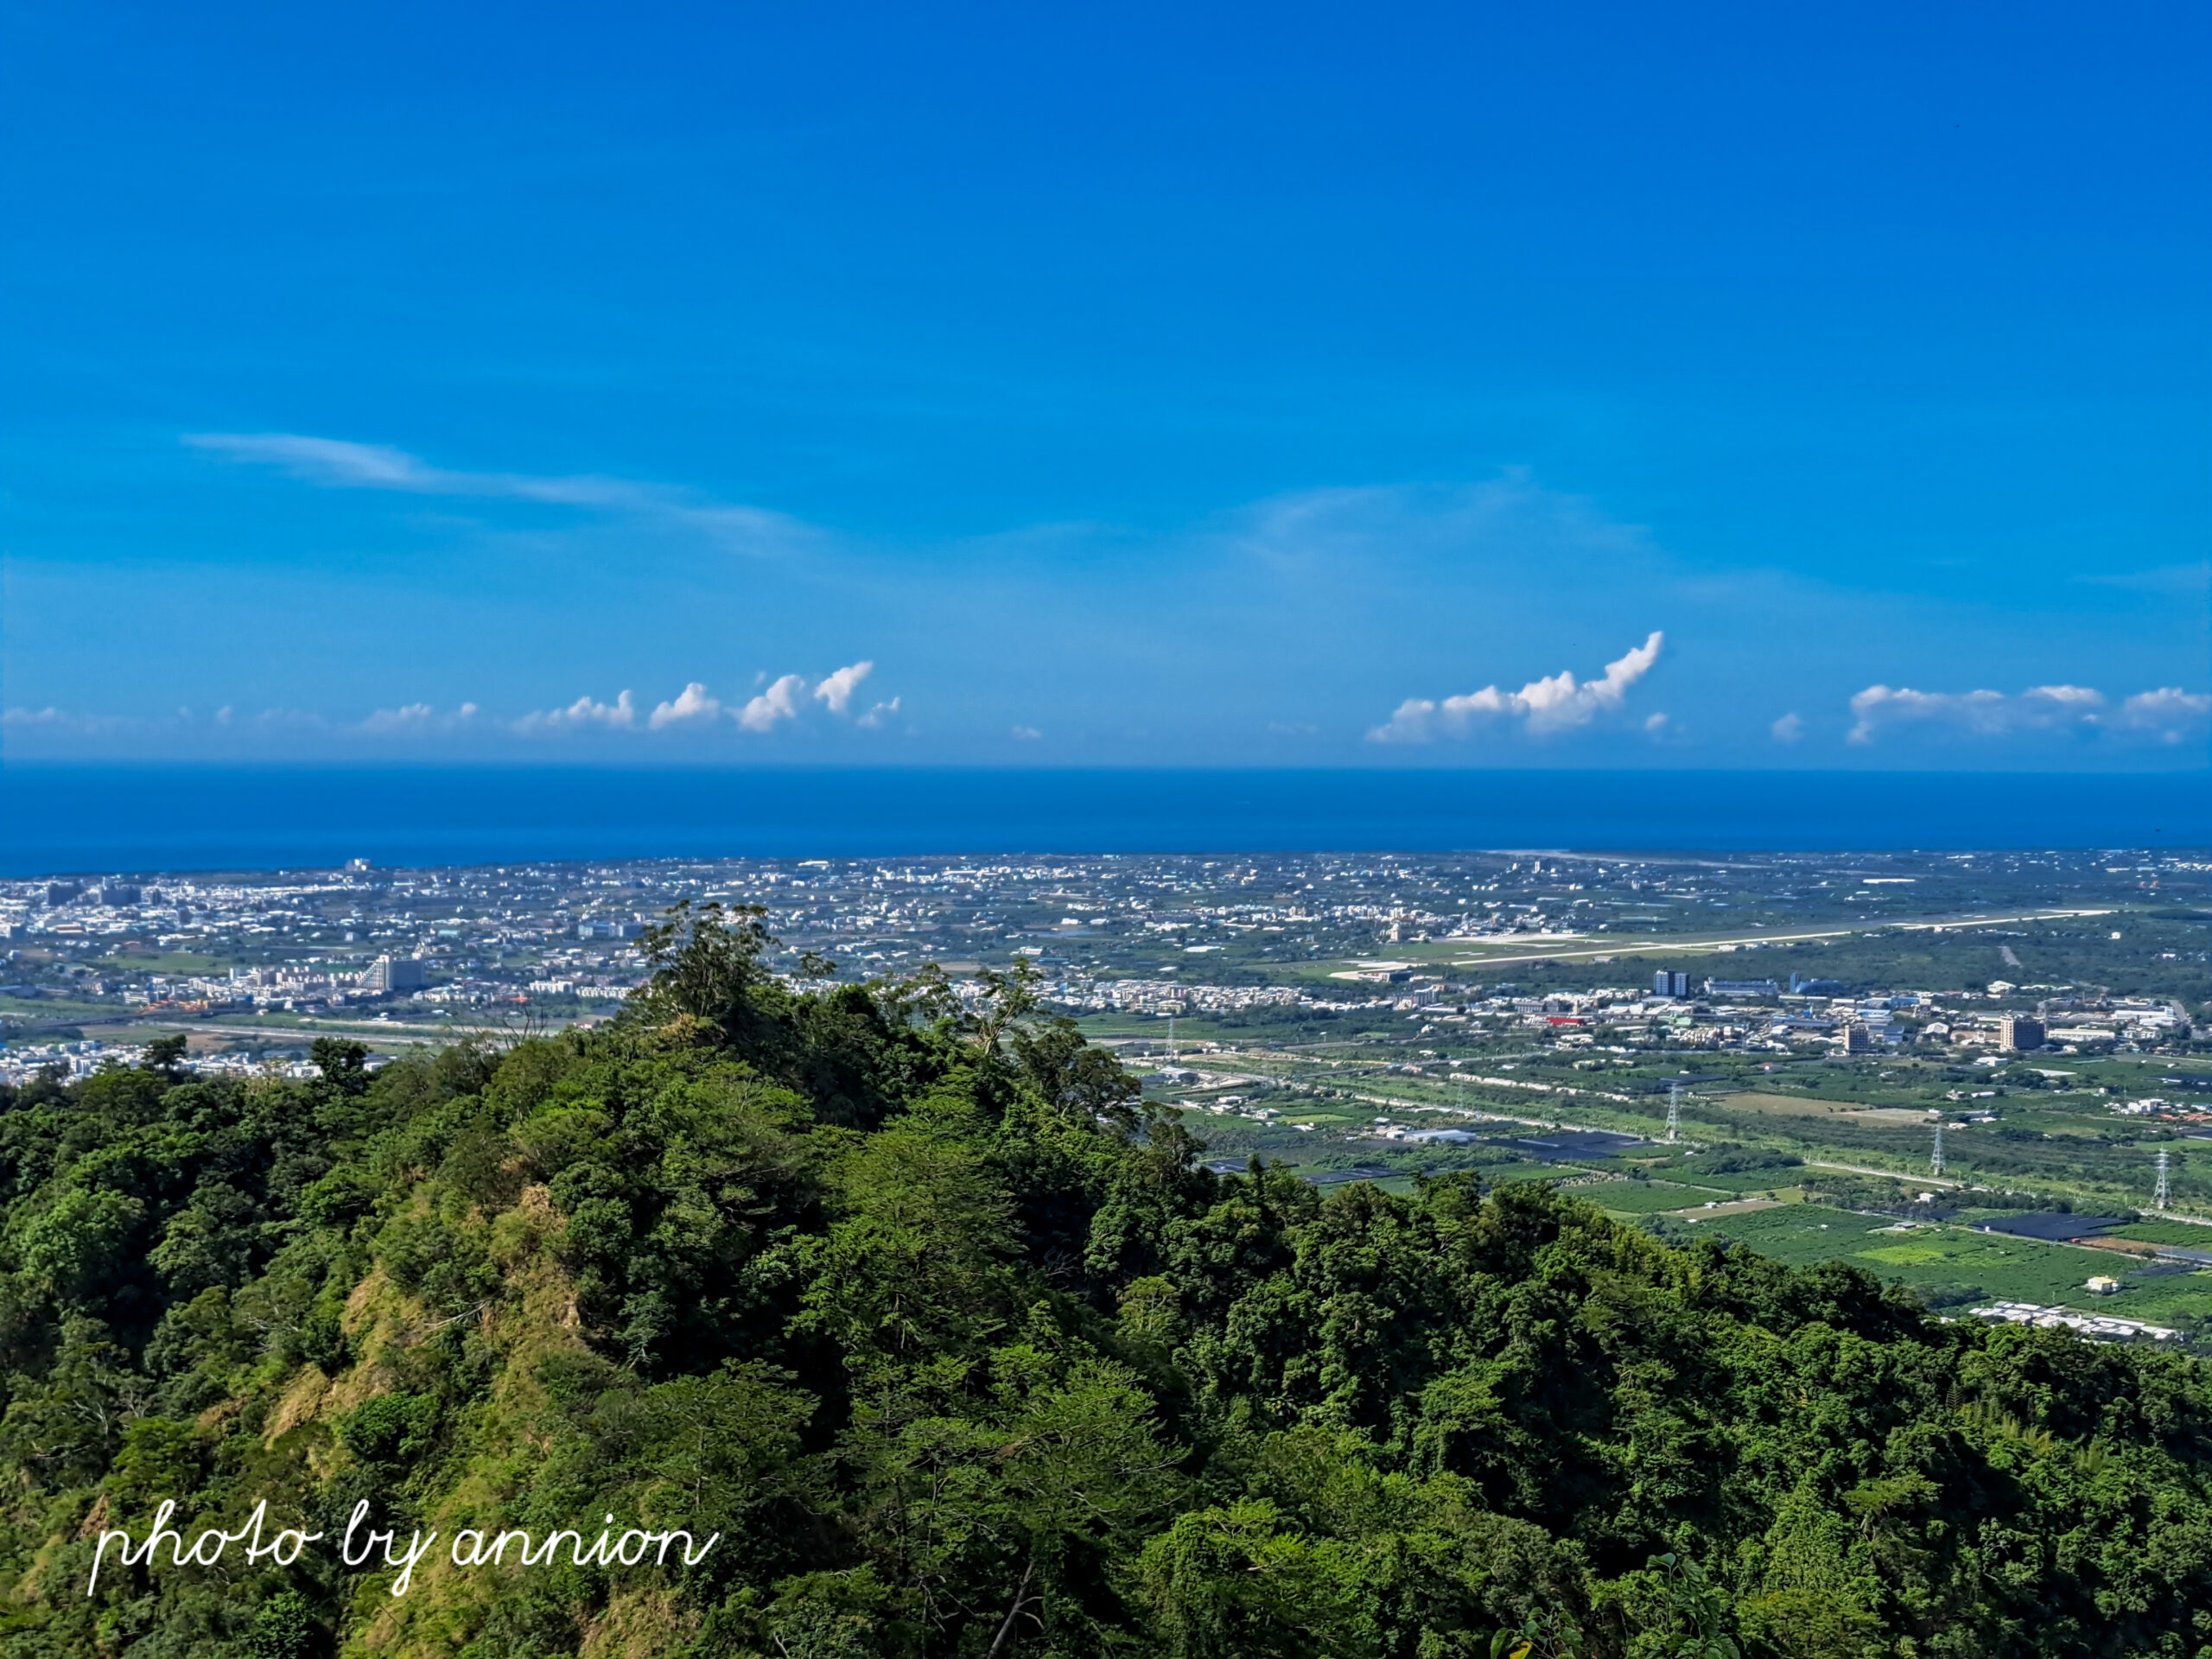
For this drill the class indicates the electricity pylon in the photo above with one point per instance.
(2161, 1198)
(1673, 1113)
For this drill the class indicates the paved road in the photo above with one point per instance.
(1896, 1175)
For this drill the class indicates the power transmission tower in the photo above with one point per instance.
(2163, 1195)
(1939, 1147)
(1673, 1113)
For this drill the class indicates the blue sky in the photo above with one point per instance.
(1817, 385)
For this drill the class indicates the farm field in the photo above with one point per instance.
(1814, 1107)
(1944, 1260)
(1646, 1198)
(2189, 1235)
(1739, 1182)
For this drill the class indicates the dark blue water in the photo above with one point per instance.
(55, 818)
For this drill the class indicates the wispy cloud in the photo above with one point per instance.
(225, 719)
(51, 719)
(1365, 526)
(1556, 703)
(416, 720)
(338, 463)
(2168, 713)
(1788, 729)
(583, 714)
(2169, 579)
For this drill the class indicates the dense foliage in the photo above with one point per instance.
(962, 1352)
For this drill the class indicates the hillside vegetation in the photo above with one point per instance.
(962, 1353)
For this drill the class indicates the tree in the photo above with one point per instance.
(706, 963)
(344, 1064)
(284, 1627)
(166, 1054)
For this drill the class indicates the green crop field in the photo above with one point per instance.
(1739, 1181)
(2184, 1233)
(2163, 1300)
(1948, 1259)
(1645, 1198)
(145, 961)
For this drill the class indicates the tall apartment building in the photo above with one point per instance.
(388, 973)
(1668, 984)
(2020, 1033)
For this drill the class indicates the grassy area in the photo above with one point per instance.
(2167, 1232)
(2162, 1299)
(1814, 1106)
(159, 962)
(1754, 1180)
(46, 1010)
(1947, 1259)
(1645, 1198)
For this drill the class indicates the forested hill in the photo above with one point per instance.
(960, 1352)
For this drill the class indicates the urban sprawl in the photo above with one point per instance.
(1891, 1058)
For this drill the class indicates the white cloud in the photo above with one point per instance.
(837, 689)
(1654, 723)
(621, 714)
(1026, 734)
(1980, 714)
(307, 718)
(690, 704)
(1788, 729)
(2168, 713)
(785, 700)
(337, 463)
(58, 720)
(410, 719)
(330, 460)
(778, 703)
(1557, 702)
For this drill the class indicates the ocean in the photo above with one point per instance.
(57, 819)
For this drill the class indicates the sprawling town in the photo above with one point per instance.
(1892, 1058)
(1167, 936)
